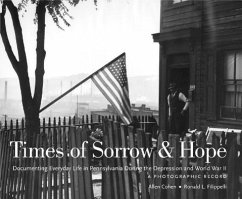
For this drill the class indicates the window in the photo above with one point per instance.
(178, 1)
(231, 106)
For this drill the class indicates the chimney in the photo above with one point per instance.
(5, 92)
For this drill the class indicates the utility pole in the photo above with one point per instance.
(61, 86)
(5, 93)
(77, 105)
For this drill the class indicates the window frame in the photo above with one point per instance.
(171, 5)
(226, 82)
(180, 1)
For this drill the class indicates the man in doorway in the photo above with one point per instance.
(177, 107)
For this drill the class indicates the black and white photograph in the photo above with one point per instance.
(123, 99)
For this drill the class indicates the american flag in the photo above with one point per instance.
(113, 83)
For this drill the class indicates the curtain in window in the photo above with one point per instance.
(232, 88)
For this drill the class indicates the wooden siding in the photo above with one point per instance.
(219, 21)
(220, 25)
(222, 22)
(180, 16)
(222, 30)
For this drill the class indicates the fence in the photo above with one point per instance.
(127, 172)
(172, 177)
(145, 122)
(43, 174)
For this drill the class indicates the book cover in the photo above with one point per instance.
(120, 99)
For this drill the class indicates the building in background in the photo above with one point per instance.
(136, 111)
(201, 50)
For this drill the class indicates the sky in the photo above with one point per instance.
(96, 36)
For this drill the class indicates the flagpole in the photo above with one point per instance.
(78, 84)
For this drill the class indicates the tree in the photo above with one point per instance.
(31, 102)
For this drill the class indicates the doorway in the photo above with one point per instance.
(179, 73)
(180, 76)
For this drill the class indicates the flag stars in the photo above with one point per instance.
(119, 72)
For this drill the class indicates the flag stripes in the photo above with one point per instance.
(118, 88)
(110, 98)
(113, 92)
(112, 82)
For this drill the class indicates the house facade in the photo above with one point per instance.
(201, 50)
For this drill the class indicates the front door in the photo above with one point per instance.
(178, 72)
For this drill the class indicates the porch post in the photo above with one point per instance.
(162, 90)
